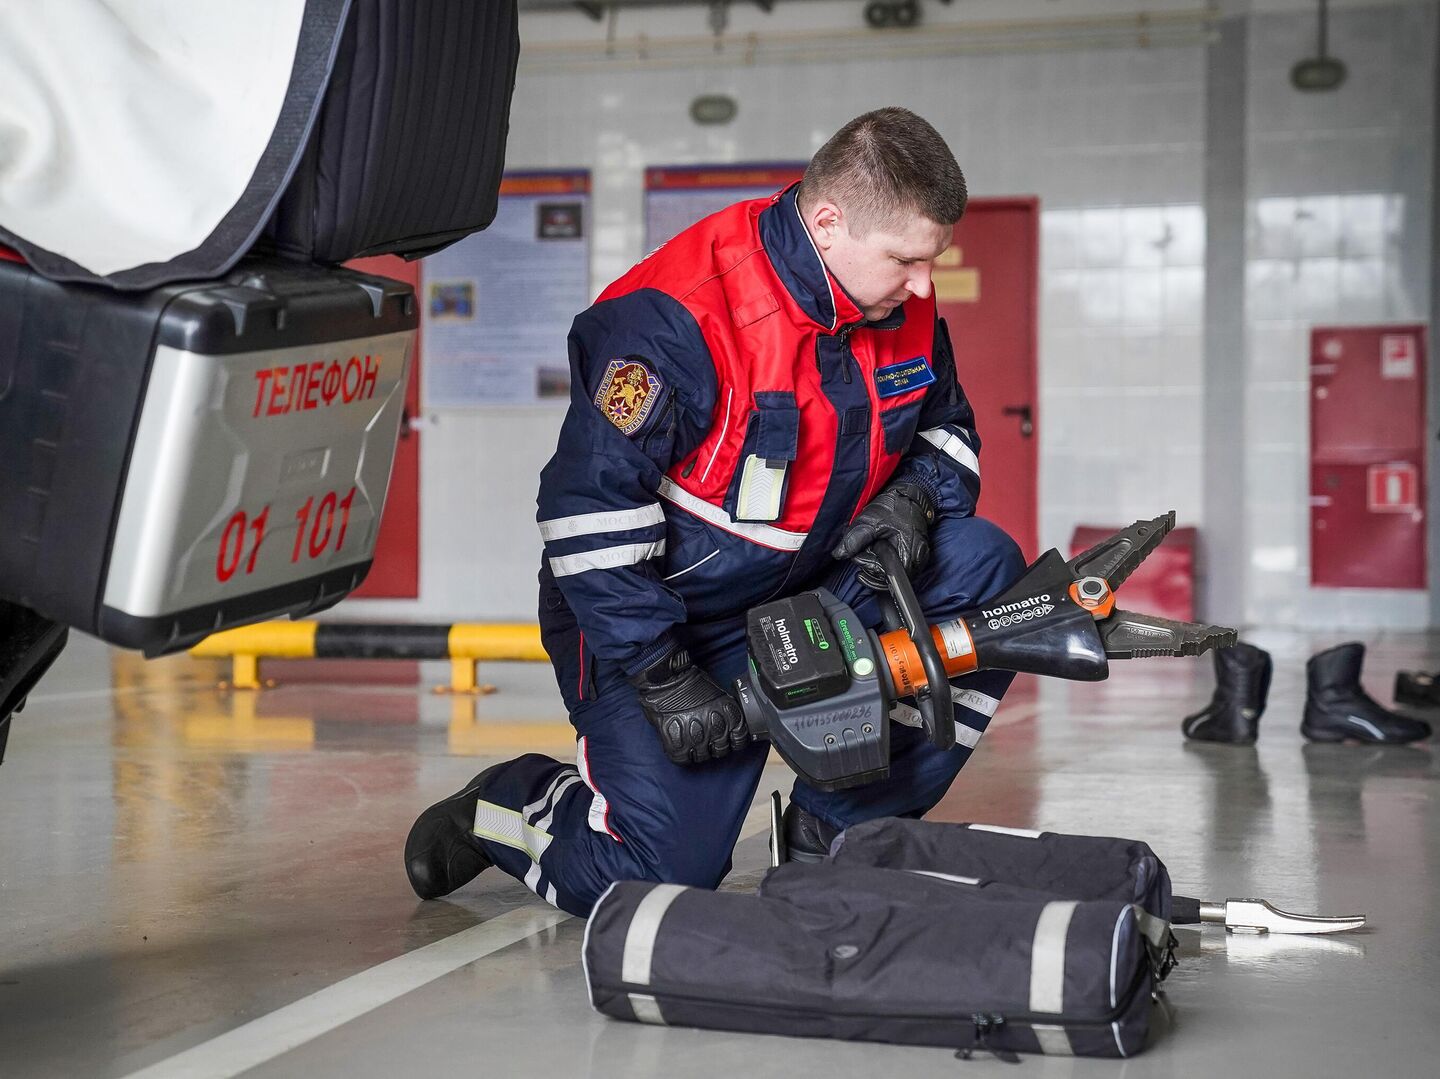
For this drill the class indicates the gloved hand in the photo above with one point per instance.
(697, 720)
(900, 514)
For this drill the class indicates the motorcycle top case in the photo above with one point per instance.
(201, 455)
(878, 955)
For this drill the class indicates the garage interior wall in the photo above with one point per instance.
(1115, 142)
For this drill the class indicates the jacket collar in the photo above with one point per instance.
(797, 262)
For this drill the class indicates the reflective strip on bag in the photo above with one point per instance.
(1047, 957)
(639, 954)
(1054, 1041)
(1000, 829)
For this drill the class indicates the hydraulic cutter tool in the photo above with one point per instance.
(822, 687)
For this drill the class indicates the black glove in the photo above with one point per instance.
(696, 719)
(901, 515)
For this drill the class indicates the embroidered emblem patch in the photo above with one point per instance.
(896, 378)
(627, 394)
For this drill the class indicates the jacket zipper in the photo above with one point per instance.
(666, 416)
(846, 355)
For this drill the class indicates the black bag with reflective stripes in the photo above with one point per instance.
(1072, 866)
(875, 954)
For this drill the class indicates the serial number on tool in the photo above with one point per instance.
(318, 524)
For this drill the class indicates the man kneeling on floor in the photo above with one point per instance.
(752, 406)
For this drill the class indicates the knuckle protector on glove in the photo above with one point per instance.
(696, 719)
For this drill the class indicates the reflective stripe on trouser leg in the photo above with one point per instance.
(920, 774)
(967, 734)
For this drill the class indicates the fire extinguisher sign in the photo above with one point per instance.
(1398, 352)
(1393, 488)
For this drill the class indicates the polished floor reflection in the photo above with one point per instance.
(183, 870)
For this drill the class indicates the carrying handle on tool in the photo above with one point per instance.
(937, 710)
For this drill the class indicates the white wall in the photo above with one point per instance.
(1338, 231)
(1111, 139)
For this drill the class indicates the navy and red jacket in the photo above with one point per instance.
(731, 412)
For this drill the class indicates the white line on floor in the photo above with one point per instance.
(289, 1027)
(295, 1024)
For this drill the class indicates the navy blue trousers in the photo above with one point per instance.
(623, 811)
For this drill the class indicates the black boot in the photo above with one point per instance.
(441, 851)
(1338, 708)
(1420, 688)
(807, 837)
(1242, 683)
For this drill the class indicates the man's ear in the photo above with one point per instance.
(825, 222)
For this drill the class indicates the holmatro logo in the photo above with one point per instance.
(787, 644)
(1024, 610)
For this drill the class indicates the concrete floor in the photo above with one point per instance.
(198, 883)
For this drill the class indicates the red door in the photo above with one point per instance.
(985, 288)
(395, 573)
(1367, 457)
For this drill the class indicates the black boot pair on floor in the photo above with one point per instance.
(1337, 708)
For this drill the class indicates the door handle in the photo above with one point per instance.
(1027, 418)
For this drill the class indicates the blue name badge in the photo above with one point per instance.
(896, 378)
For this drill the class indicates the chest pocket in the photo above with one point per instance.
(901, 388)
(772, 437)
(899, 421)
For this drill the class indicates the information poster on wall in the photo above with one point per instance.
(678, 196)
(498, 305)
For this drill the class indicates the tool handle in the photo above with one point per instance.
(936, 707)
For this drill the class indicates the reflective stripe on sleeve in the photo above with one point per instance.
(588, 524)
(953, 446)
(606, 558)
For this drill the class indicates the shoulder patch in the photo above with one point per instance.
(896, 378)
(628, 393)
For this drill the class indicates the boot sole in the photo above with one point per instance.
(1332, 737)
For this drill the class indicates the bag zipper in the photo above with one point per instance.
(993, 1020)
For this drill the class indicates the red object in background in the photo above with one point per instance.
(1367, 457)
(395, 573)
(985, 289)
(1165, 582)
(1392, 488)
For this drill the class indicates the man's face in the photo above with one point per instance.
(884, 267)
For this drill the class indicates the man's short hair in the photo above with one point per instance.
(883, 166)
